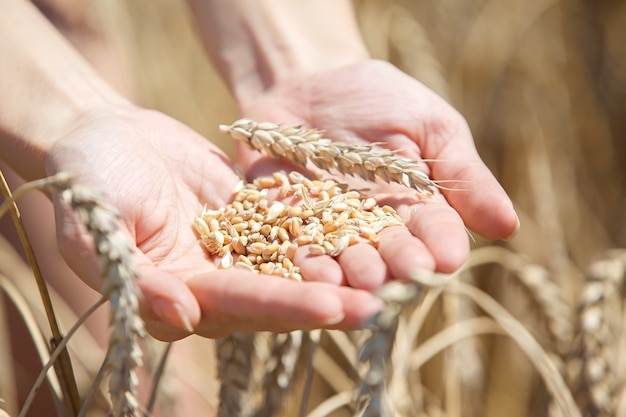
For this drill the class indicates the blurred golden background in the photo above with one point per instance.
(542, 84)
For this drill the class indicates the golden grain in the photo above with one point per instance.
(265, 235)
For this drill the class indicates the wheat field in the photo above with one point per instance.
(530, 327)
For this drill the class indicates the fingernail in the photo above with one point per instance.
(172, 313)
(335, 320)
(517, 226)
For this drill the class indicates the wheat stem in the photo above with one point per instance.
(58, 350)
(28, 316)
(64, 366)
(158, 374)
(95, 383)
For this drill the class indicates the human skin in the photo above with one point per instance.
(57, 114)
(305, 63)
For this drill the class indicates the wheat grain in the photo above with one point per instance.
(254, 234)
(301, 145)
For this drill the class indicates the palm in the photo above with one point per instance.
(374, 102)
(160, 174)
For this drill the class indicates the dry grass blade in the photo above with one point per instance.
(540, 359)
(300, 145)
(541, 288)
(451, 335)
(331, 372)
(64, 366)
(543, 363)
(378, 348)
(333, 403)
(30, 321)
(95, 384)
(401, 358)
(54, 355)
(156, 381)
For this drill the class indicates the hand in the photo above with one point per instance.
(372, 101)
(160, 174)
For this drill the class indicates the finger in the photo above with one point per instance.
(404, 253)
(168, 307)
(233, 300)
(474, 191)
(319, 268)
(363, 266)
(442, 232)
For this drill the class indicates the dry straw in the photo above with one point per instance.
(299, 145)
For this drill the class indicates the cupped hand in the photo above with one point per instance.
(374, 102)
(160, 174)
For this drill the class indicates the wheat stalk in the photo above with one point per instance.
(63, 366)
(299, 145)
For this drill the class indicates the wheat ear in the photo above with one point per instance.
(234, 355)
(279, 371)
(115, 256)
(372, 398)
(594, 357)
(299, 145)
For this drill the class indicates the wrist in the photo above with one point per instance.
(292, 68)
(258, 46)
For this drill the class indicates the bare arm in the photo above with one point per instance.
(258, 44)
(45, 87)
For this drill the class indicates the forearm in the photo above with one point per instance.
(44, 87)
(256, 44)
